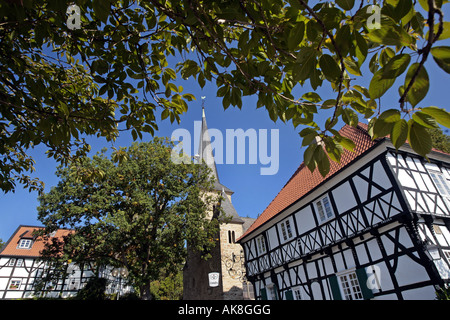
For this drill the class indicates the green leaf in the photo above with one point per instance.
(425, 120)
(419, 138)
(379, 85)
(441, 56)
(399, 133)
(396, 66)
(344, 40)
(361, 48)
(306, 64)
(381, 128)
(397, 9)
(351, 66)
(307, 131)
(330, 103)
(421, 84)
(312, 97)
(323, 163)
(308, 139)
(391, 115)
(445, 32)
(350, 117)
(329, 67)
(308, 156)
(440, 115)
(390, 34)
(164, 115)
(334, 149)
(296, 35)
(346, 143)
(346, 4)
(101, 9)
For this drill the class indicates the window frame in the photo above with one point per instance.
(355, 292)
(25, 244)
(13, 286)
(296, 293)
(440, 182)
(287, 232)
(231, 236)
(12, 262)
(261, 247)
(446, 255)
(20, 262)
(321, 207)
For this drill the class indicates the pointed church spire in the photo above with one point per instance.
(205, 150)
(205, 153)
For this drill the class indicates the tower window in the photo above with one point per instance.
(231, 237)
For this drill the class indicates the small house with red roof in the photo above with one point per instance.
(21, 269)
(376, 227)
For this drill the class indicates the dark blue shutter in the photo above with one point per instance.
(289, 295)
(361, 274)
(263, 294)
(335, 289)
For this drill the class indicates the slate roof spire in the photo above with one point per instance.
(205, 152)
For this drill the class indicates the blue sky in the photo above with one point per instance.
(253, 192)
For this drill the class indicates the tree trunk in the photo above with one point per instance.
(145, 292)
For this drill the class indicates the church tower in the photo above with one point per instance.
(227, 257)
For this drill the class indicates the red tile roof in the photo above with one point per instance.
(28, 232)
(303, 181)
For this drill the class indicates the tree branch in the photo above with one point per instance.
(432, 38)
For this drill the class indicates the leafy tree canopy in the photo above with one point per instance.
(441, 140)
(139, 214)
(59, 83)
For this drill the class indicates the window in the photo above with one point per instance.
(350, 286)
(19, 263)
(25, 244)
(11, 262)
(447, 255)
(297, 294)
(272, 292)
(441, 183)
(231, 237)
(260, 245)
(324, 209)
(286, 230)
(14, 285)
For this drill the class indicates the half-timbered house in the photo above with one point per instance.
(21, 269)
(376, 227)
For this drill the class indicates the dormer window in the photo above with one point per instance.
(25, 244)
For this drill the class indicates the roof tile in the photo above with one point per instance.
(27, 232)
(303, 181)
